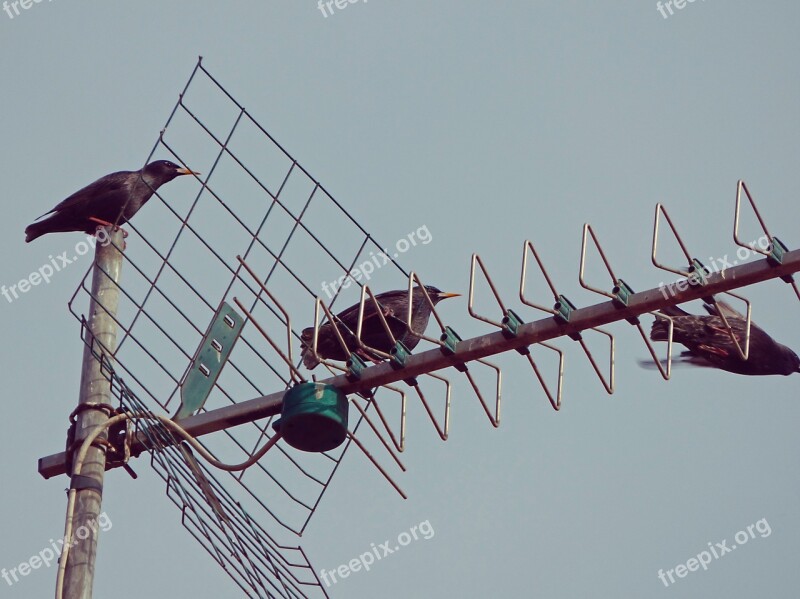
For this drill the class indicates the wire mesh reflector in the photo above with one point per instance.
(256, 562)
(180, 263)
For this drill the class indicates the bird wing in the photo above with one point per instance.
(714, 349)
(99, 192)
(716, 335)
(733, 315)
(349, 318)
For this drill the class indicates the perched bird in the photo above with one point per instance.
(118, 195)
(710, 344)
(394, 305)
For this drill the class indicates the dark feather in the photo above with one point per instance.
(394, 305)
(709, 342)
(114, 198)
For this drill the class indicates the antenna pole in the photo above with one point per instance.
(93, 411)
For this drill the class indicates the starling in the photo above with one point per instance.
(117, 196)
(709, 343)
(394, 305)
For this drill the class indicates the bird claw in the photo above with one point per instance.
(105, 223)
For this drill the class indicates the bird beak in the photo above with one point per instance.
(444, 295)
(186, 171)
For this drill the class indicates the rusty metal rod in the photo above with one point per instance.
(484, 346)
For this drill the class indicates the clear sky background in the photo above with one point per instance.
(489, 123)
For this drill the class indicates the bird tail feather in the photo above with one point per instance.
(33, 231)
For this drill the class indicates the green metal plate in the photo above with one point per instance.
(209, 360)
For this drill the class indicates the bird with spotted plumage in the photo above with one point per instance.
(110, 200)
(394, 306)
(709, 344)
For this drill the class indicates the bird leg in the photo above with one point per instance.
(105, 223)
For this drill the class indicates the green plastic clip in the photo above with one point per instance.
(511, 323)
(777, 251)
(450, 339)
(698, 273)
(622, 293)
(563, 308)
(399, 354)
(354, 367)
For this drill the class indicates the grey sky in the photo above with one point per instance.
(489, 124)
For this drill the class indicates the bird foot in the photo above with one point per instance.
(105, 223)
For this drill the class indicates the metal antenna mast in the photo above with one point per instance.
(76, 566)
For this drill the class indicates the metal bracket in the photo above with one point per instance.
(209, 360)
